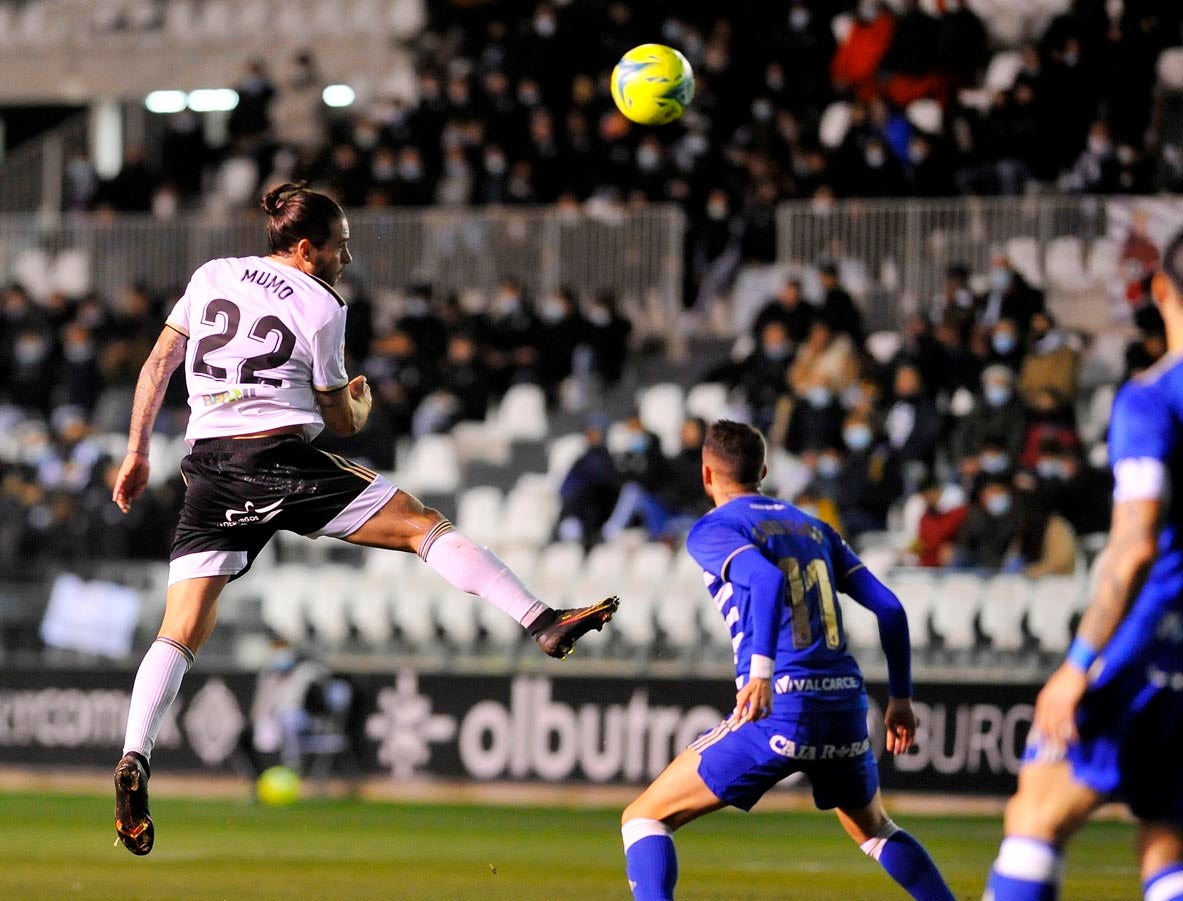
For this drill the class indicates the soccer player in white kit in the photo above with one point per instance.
(262, 340)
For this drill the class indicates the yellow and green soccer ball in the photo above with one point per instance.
(278, 786)
(652, 84)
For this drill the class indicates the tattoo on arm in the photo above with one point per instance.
(1124, 566)
(166, 356)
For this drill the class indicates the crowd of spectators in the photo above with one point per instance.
(512, 106)
(68, 371)
(968, 430)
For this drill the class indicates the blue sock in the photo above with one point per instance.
(1166, 884)
(1027, 869)
(907, 863)
(652, 865)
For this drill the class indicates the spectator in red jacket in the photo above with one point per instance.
(940, 523)
(855, 66)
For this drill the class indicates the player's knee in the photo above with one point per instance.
(1027, 816)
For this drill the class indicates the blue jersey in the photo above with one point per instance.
(800, 627)
(1146, 450)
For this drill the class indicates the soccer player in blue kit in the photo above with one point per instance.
(801, 707)
(1109, 723)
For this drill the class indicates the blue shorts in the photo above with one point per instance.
(1130, 740)
(740, 763)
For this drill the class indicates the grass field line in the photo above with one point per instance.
(499, 794)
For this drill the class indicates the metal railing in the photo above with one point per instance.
(905, 246)
(33, 175)
(636, 253)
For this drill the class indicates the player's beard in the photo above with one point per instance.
(328, 272)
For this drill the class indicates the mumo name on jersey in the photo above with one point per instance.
(269, 281)
(769, 527)
(787, 684)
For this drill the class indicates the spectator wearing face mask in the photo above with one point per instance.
(870, 481)
(1051, 363)
(814, 503)
(1006, 346)
(1097, 169)
(762, 374)
(913, 423)
(943, 513)
(608, 335)
(1050, 419)
(997, 417)
(564, 330)
(955, 304)
(816, 419)
(589, 490)
(1010, 296)
(641, 468)
(790, 309)
(825, 352)
(838, 309)
(1070, 487)
(513, 338)
(990, 528)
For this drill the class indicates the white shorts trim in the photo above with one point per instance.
(360, 510)
(206, 563)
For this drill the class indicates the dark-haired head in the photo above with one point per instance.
(307, 229)
(732, 459)
(1172, 268)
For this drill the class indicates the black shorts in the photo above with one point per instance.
(241, 491)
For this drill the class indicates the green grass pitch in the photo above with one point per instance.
(59, 846)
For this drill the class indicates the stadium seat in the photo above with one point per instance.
(1053, 602)
(412, 602)
(432, 466)
(835, 123)
(530, 512)
(648, 575)
(661, 412)
(561, 456)
(1095, 422)
(478, 514)
(369, 610)
(1103, 261)
(914, 588)
(1064, 264)
(955, 607)
(1003, 606)
(328, 599)
(883, 346)
(676, 609)
(1023, 254)
(603, 574)
(285, 600)
(1170, 69)
(71, 273)
(481, 442)
(522, 414)
(457, 614)
(708, 401)
(860, 625)
(560, 567)
(926, 115)
(1103, 362)
(1002, 71)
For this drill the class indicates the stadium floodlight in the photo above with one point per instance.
(213, 100)
(165, 101)
(338, 95)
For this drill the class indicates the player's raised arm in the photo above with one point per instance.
(165, 357)
(346, 409)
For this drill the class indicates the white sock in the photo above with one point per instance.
(157, 681)
(478, 571)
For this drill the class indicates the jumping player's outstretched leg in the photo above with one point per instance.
(190, 610)
(904, 858)
(1049, 806)
(404, 524)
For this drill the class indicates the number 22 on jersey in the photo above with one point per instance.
(815, 577)
(261, 331)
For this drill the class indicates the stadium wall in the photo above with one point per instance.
(528, 728)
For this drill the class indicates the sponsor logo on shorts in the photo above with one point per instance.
(251, 514)
(787, 684)
(786, 747)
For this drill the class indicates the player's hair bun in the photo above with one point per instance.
(274, 200)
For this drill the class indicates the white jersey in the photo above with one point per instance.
(262, 338)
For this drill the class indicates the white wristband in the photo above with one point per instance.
(760, 668)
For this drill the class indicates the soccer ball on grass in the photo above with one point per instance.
(652, 84)
(278, 786)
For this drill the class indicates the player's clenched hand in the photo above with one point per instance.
(131, 481)
(900, 720)
(359, 389)
(1055, 708)
(753, 701)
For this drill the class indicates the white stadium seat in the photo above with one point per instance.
(432, 466)
(661, 412)
(1003, 70)
(1003, 607)
(531, 509)
(478, 514)
(560, 567)
(561, 456)
(1053, 602)
(285, 601)
(834, 124)
(914, 588)
(522, 413)
(860, 625)
(677, 608)
(955, 609)
(1064, 264)
(1104, 257)
(1170, 69)
(456, 612)
(370, 611)
(707, 401)
(1023, 254)
(328, 602)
